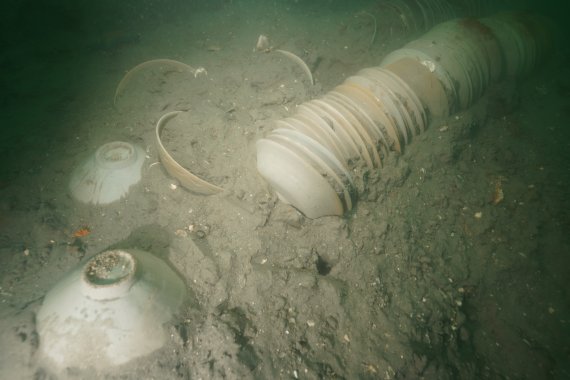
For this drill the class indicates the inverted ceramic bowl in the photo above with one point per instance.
(107, 175)
(108, 311)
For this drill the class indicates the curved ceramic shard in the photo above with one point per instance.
(300, 62)
(154, 62)
(186, 178)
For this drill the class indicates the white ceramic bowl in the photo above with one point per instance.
(108, 174)
(108, 311)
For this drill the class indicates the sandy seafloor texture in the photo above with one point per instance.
(409, 285)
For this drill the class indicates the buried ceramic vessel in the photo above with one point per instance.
(108, 311)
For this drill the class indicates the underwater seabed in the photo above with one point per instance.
(448, 260)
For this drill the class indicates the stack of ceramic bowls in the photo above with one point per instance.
(480, 8)
(463, 55)
(450, 66)
(419, 15)
(309, 158)
(523, 38)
